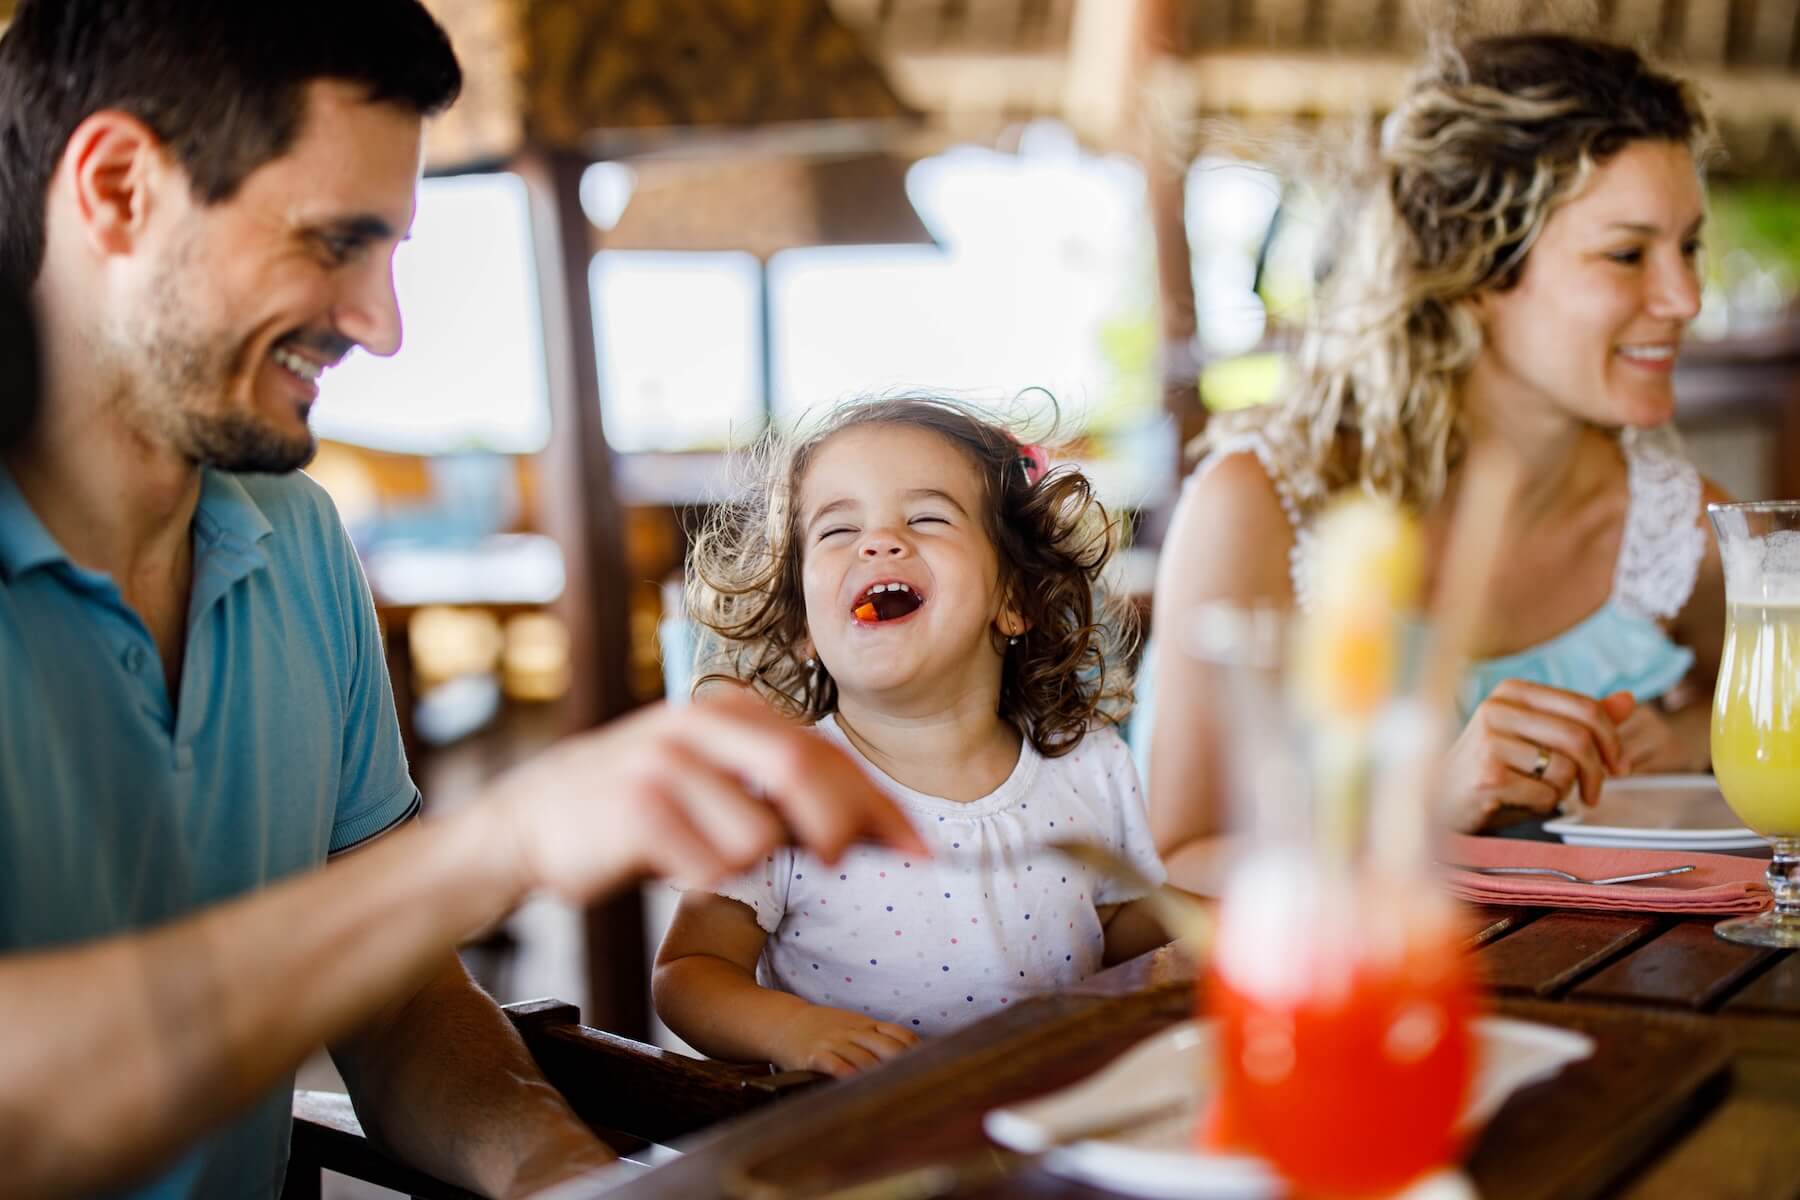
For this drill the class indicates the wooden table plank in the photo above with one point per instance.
(1685, 966)
(1571, 1137)
(1745, 1149)
(872, 1119)
(1776, 992)
(1594, 1124)
(1489, 922)
(1559, 949)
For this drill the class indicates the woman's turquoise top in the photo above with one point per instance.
(1614, 650)
(1622, 645)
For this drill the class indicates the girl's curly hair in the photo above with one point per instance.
(1052, 537)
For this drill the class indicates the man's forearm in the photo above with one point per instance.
(443, 1081)
(122, 1051)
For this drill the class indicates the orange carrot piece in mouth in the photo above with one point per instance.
(865, 611)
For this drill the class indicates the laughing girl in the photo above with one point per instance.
(912, 581)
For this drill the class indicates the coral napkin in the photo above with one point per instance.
(1720, 883)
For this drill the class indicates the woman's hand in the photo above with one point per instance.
(837, 1042)
(1527, 745)
(1655, 742)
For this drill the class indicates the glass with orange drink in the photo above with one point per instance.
(1342, 995)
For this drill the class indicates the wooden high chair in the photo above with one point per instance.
(631, 1094)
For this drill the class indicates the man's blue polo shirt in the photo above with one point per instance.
(120, 810)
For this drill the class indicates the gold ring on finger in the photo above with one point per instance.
(1542, 764)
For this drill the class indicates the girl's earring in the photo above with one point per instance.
(812, 664)
(1013, 640)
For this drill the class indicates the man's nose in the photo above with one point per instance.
(368, 311)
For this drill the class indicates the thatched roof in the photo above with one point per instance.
(974, 62)
(604, 76)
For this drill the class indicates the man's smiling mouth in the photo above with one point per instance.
(303, 369)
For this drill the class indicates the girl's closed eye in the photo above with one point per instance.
(834, 531)
(927, 518)
(1627, 258)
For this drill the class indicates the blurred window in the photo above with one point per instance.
(471, 373)
(1255, 238)
(1751, 264)
(680, 342)
(1044, 279)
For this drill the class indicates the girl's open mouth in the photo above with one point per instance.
(886, 601)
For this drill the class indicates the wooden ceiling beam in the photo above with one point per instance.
(1106, 52)
(1705, 34)
(1772, 28)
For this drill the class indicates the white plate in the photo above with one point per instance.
(1657, 812)
(1167, 1074)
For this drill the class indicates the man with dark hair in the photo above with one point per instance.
(203, 198)
(18, 367)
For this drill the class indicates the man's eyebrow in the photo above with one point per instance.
(366, 227)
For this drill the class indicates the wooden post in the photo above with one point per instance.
(581, 510)
(1165, 150)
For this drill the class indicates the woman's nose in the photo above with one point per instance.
(1677, 294)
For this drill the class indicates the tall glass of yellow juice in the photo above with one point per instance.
(1756, 710)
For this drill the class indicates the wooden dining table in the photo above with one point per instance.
(1692, 1092)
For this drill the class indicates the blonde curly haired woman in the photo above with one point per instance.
(1521, 269)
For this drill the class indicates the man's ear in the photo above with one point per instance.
(114, 170)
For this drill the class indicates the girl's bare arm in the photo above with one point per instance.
(706, 991)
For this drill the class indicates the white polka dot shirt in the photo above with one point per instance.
(932, 944)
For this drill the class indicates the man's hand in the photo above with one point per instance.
(695, 794)
(837, 1042)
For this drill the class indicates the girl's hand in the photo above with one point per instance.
(1495, 763)
(836, 1042)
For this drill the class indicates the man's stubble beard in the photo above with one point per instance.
(179, 381)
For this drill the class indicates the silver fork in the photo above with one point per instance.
(1181, 913)
(1552, 871)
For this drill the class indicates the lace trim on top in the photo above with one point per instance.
(1659, 552)
(1301, 552)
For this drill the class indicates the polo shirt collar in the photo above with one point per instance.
(25, 544)
(227, 512)
(226, 516)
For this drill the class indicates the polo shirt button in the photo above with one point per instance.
(134, 658)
